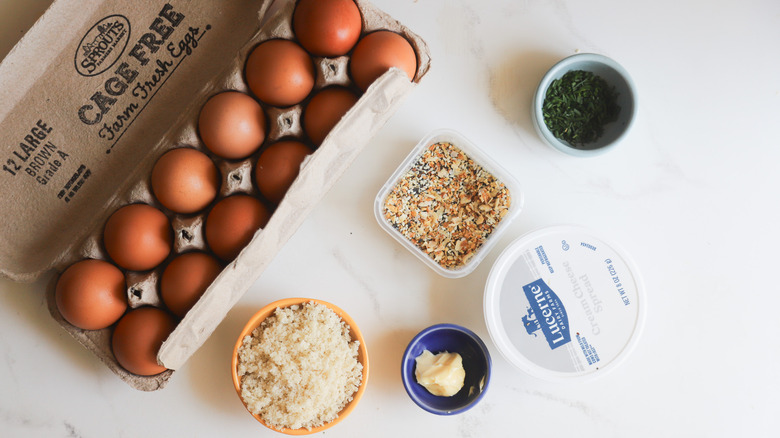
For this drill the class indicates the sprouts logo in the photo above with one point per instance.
(102, 46)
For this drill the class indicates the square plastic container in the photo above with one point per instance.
(479, 158)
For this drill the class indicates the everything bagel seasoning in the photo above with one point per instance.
(447, 205)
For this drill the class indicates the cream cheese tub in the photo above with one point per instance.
(563, 304)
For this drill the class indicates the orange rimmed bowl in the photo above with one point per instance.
(355, 334)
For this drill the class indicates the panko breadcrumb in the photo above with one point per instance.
(299, 368)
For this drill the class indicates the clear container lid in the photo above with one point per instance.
(479, 158)
(562, 304)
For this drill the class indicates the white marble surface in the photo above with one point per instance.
(692, 194)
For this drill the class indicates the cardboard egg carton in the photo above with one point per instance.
(111, 113)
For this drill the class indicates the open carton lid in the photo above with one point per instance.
(91, 98)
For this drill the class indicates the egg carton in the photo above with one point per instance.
(318, 173)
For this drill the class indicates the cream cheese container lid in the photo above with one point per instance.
(563, 304)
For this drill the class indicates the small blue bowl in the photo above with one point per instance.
(616, 76)
(476, 363)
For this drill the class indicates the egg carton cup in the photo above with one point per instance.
(318, 174)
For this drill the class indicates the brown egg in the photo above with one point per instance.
(91, 295)
(232, 125)
(327, 27)
(138, 237)
(278, 167)
(185, 279)
(376, 53)
(324, 110)
(232, 222)
(280, 73)
(185, 180)
(137, 339)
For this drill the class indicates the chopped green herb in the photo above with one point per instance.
(578, 105)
